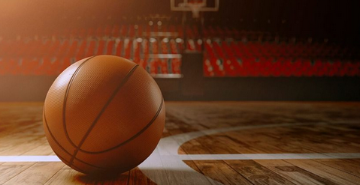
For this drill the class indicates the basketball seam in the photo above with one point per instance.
(134, 136)
(47, 126)
(57, 142)
(101, 112)
(65, 100)
(72, 166)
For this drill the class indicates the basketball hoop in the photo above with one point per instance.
(195, 8)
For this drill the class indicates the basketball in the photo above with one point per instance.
(251, 91)
(103, 114)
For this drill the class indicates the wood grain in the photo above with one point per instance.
(220, 171)
(293, 173)
(11, 170)
(350, 166)
(319, 127)
(335, 175)
(39, 173)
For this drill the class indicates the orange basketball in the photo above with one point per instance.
(103, 114)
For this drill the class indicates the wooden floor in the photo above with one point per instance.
(209, 143)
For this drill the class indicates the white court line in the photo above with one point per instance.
(24, 158)
(269, 156)
(166, 166)
(54, 158)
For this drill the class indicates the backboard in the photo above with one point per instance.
(195, 6)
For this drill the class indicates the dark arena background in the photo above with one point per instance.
(256, 91)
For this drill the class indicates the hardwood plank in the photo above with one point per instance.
(10, 170)
(194, 147)
(120, 179)
(22, 145)
(217, 170)
(39, 173)
(328, 139)
(280, 140)
(65, 175)
(220, 171)
(43, 149)
(21, 133)
(137, 177)
(215, 145)
(69, 176)
(258, 142)
(256, 173)
(293, 173)
(332, 174)
(236, 145)
(351, 166)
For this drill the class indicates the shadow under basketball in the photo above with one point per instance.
(134, 176)
(102, 178)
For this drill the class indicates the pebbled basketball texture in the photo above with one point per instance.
(103, 114)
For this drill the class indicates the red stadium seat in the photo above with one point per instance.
(10, 66)
(164, 69)
(287, 68)
(191, 45)
(318, 68)
(218, 67)
(254, 55)
(100, 48)
(28, 66)
(45, 67)
(228, 52)
(64, 63)
(356, 67)
(164, 46)
(72, 49)
(210, 51)
(131, 31)
(124, 30)
(81, 51)
(91, 49)
(115, 32)
(276, 68)
(137, 47)
(154, 47)
(110, 47)
(153, 66)
(218, 50)
(265, 66)
(208, 69)
(146, 47)
(173, 47)
(307, 68)
(298, 69)
(119, 48)
(345, 68)
(52, 49)
(176, 66)
(230, 68)
(248, 66)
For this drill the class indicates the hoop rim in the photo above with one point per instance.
(173, 7)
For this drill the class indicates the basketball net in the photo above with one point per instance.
(195, 8)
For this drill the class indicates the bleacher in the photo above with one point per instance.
(232, 58)
(228, 52)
